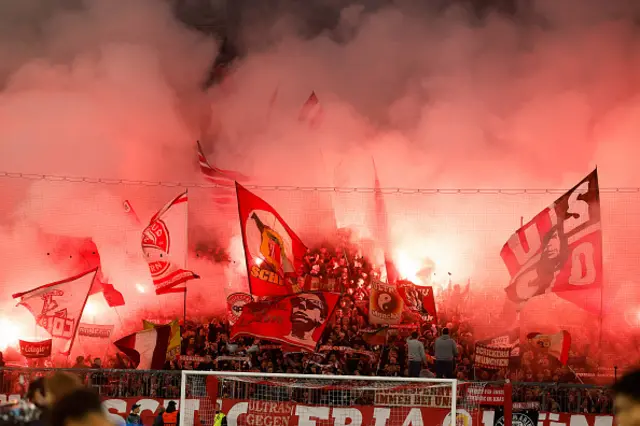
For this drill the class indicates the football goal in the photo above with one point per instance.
(260, 399)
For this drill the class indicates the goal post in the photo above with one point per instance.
(261, 399)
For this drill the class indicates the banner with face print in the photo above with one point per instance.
(419, 300)
(296, 320)
(274, 253)
(560, 249)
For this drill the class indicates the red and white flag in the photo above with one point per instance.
(296, 320)
(560, 250)
(274, 253)
(147, 349)
(164, 244)
(89, 252)
(57, 307)
(224, 179)
(556, 345)
(311, 111)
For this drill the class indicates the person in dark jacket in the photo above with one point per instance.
(158, 420)
(134, 416)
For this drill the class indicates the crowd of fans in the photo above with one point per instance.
(347, 349)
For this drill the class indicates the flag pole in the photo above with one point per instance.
(186, 260)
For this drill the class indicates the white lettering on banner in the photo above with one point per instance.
(532, 238)
(305, 415)
(381, 416)
(582, 259)
(578, 210)
(414, 418)
(4, 398)
(340, 416)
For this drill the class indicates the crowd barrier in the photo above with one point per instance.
(552, 397)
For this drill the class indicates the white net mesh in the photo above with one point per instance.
(257, 400)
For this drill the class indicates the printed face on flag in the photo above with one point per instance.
(561, 248)
(298, 320)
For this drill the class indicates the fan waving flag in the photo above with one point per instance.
(274, 253)
(57, 307)
(223, 179)
(164, 244)
(297, 320)
(559, 250)
(147, 349)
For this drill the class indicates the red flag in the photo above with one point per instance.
(41, 349)
(297, 319)
(560, 250)
(224, 179)
(382, 227)
(556, 345)
(235, 303)
(311, 111)
(274, 253)
(89, 252)
(147, 349)
(164, 244)
(419, 300)
(57, 307)
(376, 336)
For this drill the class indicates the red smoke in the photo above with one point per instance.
(440, 99)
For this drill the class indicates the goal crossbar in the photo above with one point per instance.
(202, 393)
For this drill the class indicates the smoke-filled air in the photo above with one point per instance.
(439, 94)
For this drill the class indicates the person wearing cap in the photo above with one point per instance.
(170, 416)
(134, 416)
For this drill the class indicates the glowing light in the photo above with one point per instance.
(407, 266)
(90, 309)
(10, 333)
(258, 261)
(140, 288)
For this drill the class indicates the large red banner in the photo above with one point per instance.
(264, 413)
(297, 320)
(274, 253)
(560, 249)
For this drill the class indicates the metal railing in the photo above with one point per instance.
(552, 397)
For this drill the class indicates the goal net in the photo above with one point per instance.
(257, 399)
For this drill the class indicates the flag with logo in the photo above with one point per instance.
(556, 345)
(518, 417)
(164, 244)
(296, 320)
(560, 250)
(385, 304)
(235, 303)
(175, 338)
(147, 349)
(57, 307)
(273, 252)
(419, 301)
